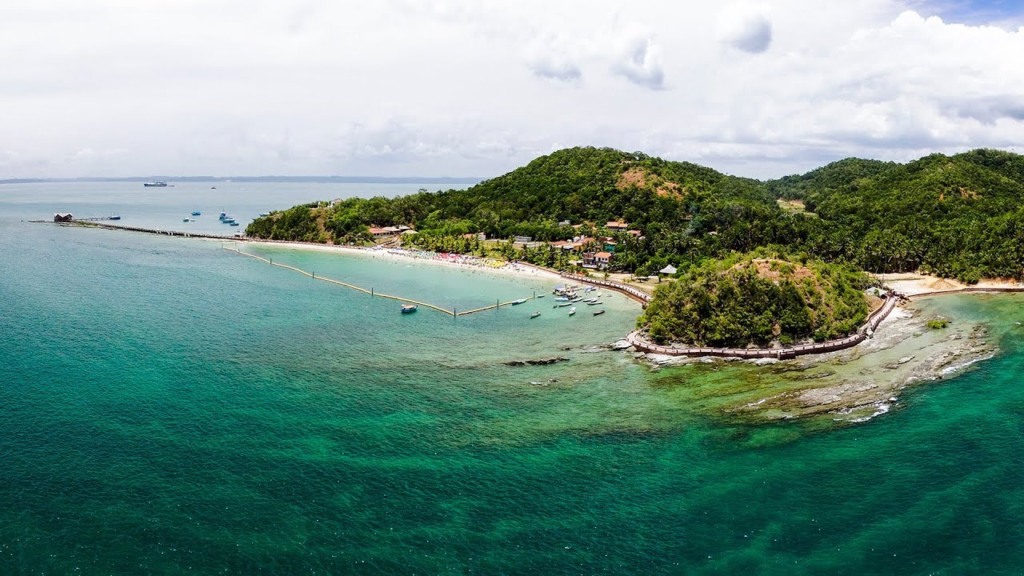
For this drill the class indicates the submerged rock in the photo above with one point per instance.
(536, 362)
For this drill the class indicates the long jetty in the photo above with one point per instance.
(453, 313)
(96, 223)
(874, 319)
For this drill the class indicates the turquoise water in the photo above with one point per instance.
(165, 208)
(169, 407)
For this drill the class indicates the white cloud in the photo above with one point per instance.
(745, 28)
(459, 87)
(637, 57)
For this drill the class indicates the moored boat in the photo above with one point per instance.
(572, 311)
(196, 213)
(155, 184)
(534, 315)
(408, 308)
(518, 302)
(599, 312)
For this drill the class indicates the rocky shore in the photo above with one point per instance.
(852, 385)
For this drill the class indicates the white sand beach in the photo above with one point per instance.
(459, 261)
(912, 283)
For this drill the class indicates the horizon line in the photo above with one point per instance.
(265, 178)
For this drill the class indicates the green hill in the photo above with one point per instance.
(841, 175)
(746, 300)
(959, 216)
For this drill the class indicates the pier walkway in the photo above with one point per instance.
(638, 295)
(453, 313)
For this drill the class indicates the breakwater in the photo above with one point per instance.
(372, 293)
(629, 291)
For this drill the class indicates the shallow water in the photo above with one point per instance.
(170, 407)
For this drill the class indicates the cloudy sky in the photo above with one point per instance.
(476, 88)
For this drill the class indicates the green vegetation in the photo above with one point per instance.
(937, 323)
(746, 300)
(956, 216)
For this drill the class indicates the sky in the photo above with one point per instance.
(758, 88)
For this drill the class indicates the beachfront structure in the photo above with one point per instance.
(598, 260)
(383, 232)
(576, 244)
(63, 217)
(388, 231)
(617, 226)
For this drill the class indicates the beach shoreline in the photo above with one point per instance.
(916, 284)
(400, 255)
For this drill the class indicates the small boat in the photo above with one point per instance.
(408, 308)
(264, 214)
(115, 217)
(187, 220)
(223, 215)
(518, 302)
(599, 312)
(196, 213)
(595, 303)
(213, 187)
(232, 223)
(534, 315)
(228, 220)
(572, 311)
(561, 299)
(540, 295)
(155, 184)
(589, 300)
(563, 304)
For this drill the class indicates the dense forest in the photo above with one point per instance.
(959, 216)
(956, 216)
(744, 300)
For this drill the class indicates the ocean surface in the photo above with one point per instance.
(170, 407)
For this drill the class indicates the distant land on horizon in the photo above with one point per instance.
(297, 179)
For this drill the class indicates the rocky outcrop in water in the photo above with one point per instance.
(536, 362)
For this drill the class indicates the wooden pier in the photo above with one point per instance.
(374, 294)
